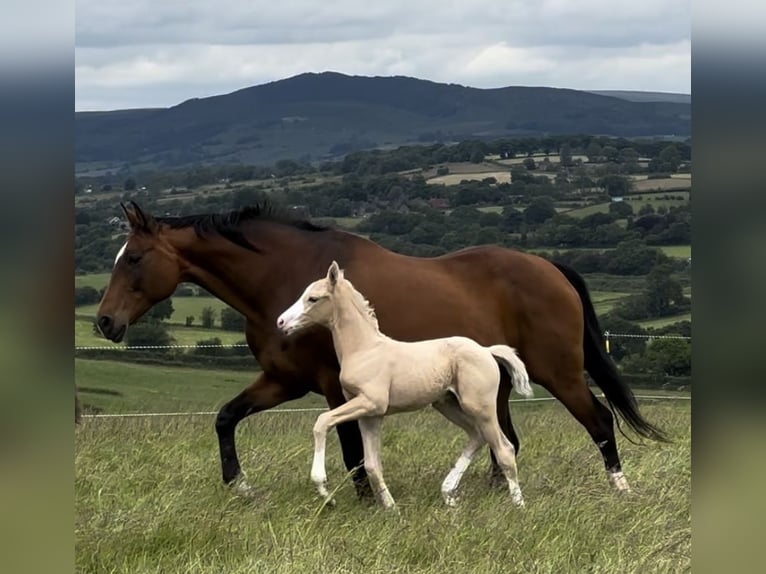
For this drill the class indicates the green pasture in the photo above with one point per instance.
(149, 498)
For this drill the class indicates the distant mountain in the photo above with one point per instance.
(320, 116)
(634, 96)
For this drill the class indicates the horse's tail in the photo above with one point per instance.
(601, 368)
(509, 358)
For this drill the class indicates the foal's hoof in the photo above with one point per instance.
(451, 500)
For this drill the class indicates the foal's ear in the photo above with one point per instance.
(139, 221)
(333, 274)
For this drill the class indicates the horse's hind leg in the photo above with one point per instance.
(597, 420)
(450, 408)
(496, 478)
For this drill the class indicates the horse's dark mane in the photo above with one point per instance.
(229, 225)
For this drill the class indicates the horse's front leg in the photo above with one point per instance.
(354, 409)
(266, 392)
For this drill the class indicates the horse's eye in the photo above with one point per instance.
(133, 258)
(313, 299)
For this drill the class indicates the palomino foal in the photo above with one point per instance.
(381, 376)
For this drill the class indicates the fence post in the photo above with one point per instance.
(606, 341)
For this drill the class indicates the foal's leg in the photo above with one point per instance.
(486, 422)
(355, 408)
(450, 408)
(262, 395)
(350, 440)
(370, 427)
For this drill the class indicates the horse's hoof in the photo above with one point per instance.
(450, 500)
(242, 488)
(364, 491)
(497, 481)
(619, 482)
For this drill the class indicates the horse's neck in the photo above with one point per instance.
(246, 280)
(352, 331)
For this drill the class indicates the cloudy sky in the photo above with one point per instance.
(142, 53)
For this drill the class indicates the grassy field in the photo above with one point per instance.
(95, 280)
(669, 183)
(121, 387)
(456, 178)
(148, 498)
(553, 158)
(677, 251)
(665, 320)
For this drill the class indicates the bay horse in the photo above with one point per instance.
(380, 376)
(257, 260)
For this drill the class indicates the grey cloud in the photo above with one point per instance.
(160, 53)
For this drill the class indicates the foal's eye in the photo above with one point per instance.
(313, 299)
(133, 258)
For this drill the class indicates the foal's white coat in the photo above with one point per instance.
(382, 376)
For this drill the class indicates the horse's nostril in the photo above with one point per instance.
(104, 322)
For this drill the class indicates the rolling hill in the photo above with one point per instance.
(320, 116)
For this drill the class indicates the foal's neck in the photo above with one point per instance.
(352, 330)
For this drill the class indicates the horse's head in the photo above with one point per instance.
(146, 271)
(314, 306)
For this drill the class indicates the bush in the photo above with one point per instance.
(86, 296)
(207, 317)
(148, 333)
(232, 320)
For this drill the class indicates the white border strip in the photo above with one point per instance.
(319, 410)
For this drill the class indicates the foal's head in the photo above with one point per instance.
(315, 305)
(146, 271)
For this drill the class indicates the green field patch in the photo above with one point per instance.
(124, 387)
(677, 251)
(148, 497)
(491, 209)
(656, 323)
(456, 178)
(667, 184)
(95, 280)
(589, 210)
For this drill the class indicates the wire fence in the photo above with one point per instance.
(320, 410)
(607, 336)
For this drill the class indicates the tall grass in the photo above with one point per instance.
(149, 499)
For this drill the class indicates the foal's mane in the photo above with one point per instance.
(362, 304)
(229, 225)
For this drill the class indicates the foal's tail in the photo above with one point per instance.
(509, 358)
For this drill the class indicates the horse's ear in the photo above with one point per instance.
(333, 274)
(139, 221)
